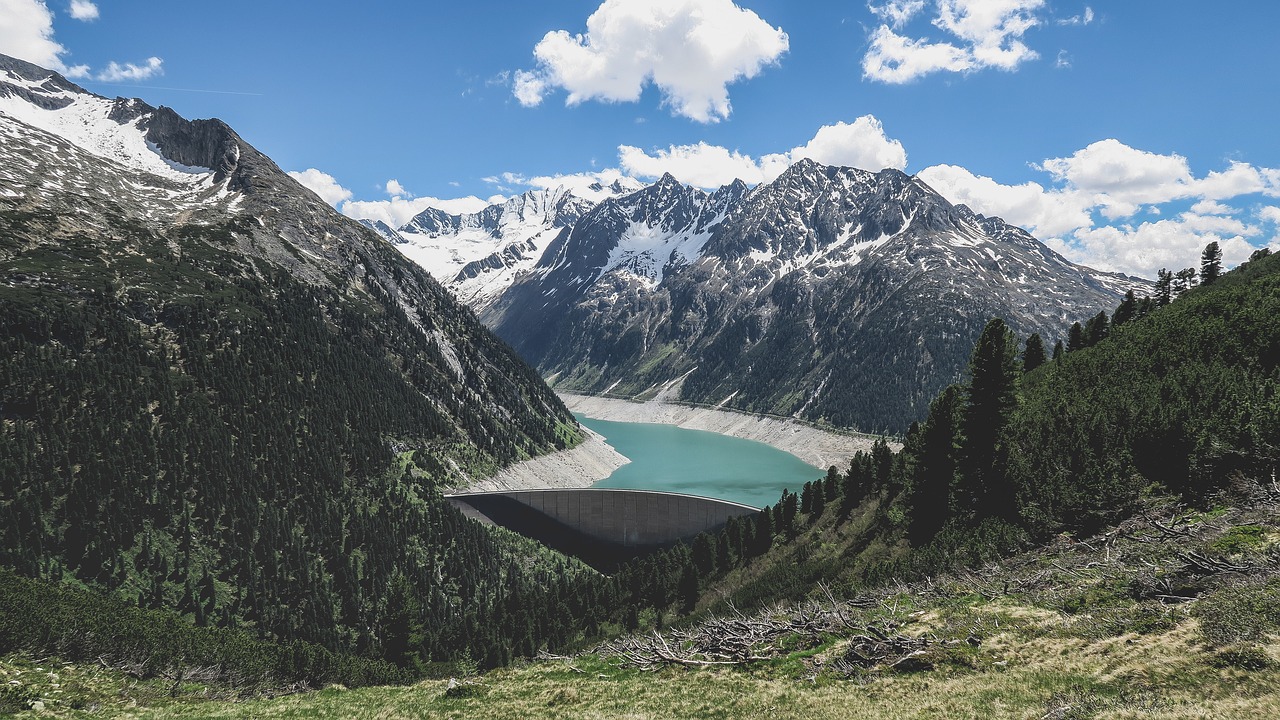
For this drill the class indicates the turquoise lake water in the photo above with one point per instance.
(672, 459)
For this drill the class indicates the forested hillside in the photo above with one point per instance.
(198, 430)
(1167, 396)
(220, 397)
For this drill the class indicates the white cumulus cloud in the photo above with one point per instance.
(700, 164)
(1030, 205)
(590, 185)
(117, 72)
(1082, 212)
(981, 34)
(897, 12)
(862, 144)
(395, 189)
(26, 32)
(83, 10)
(1146, 248)
(1270, 214)
(692, 50)
(399, 210)
(322, 184)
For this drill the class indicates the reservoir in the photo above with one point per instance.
(695, 462)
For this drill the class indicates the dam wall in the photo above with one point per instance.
(600, 521)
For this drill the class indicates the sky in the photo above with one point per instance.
(1126, 134)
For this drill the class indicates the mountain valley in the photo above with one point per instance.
(831, 294)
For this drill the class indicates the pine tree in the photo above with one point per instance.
(688, 588)
(1076, 338)
(1097, 329)
(930, 497)
(989, 402)
(1033, 355)
(1127, 310)
(402, 629)
(1058, 350)
(1164, 287)
(1183, 280)
(1210, 263)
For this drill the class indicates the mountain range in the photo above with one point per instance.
(831, 294)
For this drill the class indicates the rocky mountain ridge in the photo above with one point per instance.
(832, 294)
(479, 254)
(120, 170)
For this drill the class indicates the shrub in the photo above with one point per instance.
(1246, 613)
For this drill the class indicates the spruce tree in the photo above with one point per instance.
(1097, 329)
(1183, 280)
(930, 496)
(1033, 355)
(402, 628)
(989, 402)
(1058, 350)
(1164, 287)
(1210, 263)
(1127, 310)
(1076, 338)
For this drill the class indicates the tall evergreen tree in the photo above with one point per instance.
(989, 402)
(1127, 310)
(1164, 287)
(930, 495)
(1097, 329)
(1058, 350)
(402, 628)
(1076, 338)
(1183, 280)
(1033, 355)
(1210, 263)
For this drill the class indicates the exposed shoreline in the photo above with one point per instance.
(578, 467)
(812, 445)
(595, 459)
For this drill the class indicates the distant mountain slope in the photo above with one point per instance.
(479, 254)
(831, 294)
(220, 395)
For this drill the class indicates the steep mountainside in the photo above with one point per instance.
(218, 394)
(832, 294)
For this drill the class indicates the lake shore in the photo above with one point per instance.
(594, 459)
(578, 467)
(817, 447)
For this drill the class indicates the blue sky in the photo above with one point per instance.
(1125, 133)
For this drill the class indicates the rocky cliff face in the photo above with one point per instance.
(831, 294)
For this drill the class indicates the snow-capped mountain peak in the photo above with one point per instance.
(793, 297)
(480, 254)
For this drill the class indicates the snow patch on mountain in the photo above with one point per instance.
(479, 255)
(86, 122)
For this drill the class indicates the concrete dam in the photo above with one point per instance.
(599, 525)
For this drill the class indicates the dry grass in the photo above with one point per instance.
(1070, 632)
